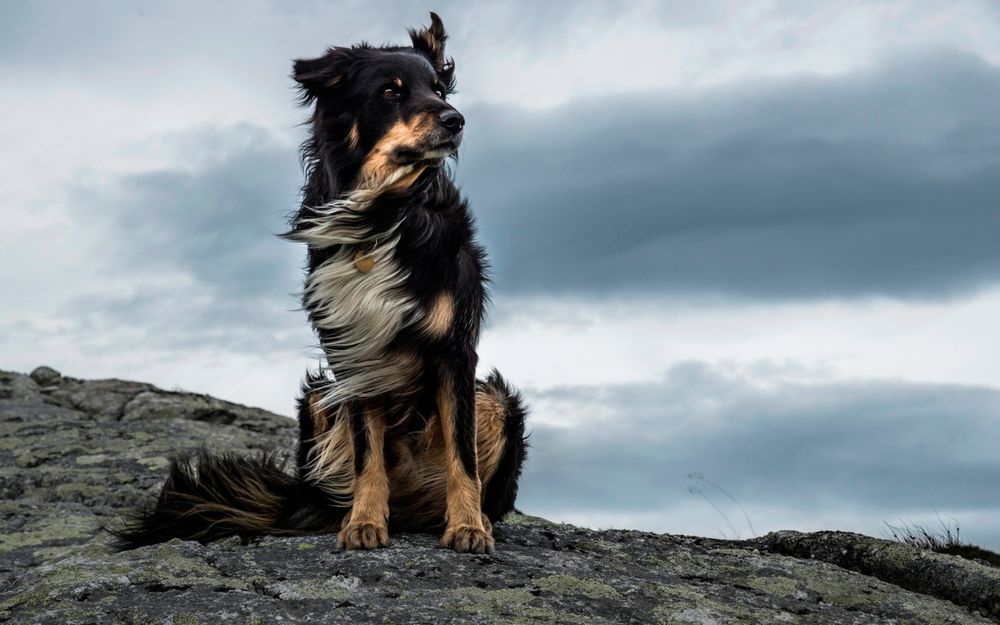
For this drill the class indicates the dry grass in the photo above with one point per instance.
(947, 540)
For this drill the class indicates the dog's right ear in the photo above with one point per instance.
(321, 75)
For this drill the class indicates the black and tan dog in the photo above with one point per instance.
(397, 431)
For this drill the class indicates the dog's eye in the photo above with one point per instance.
(391, 93)
(440, 92)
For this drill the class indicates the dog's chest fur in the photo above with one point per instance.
(418, 294)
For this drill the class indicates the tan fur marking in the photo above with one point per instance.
(318, 414)
(245, 521)
(463, 491)
(439, 316)
(353, 138)
(490, 441)
(464, 531)
(367, 527)
(379, 164)
(371, 493)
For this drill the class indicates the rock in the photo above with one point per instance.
(45, 376)
(78, 457)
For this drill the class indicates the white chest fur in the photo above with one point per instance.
(359, 313)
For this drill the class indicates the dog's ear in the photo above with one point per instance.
(321, 75)
(430, 41)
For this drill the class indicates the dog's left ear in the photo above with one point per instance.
(430, 41)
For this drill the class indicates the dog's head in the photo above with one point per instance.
(383, 111)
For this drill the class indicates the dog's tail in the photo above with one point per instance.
(214, 495)
(500, 492)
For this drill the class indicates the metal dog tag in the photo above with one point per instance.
(363, 262)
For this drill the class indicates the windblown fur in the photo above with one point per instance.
(395, 431)
(213, 495)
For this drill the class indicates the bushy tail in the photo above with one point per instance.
(501, 491)
(214, 495)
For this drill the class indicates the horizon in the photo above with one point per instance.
(754, 242)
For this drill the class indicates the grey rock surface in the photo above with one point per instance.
(76, 455)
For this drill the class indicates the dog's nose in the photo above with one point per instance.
(452, 120)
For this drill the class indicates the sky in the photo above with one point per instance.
(745, 259)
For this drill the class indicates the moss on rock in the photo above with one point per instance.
(76, 456)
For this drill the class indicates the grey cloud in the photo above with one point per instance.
(196, 243)
(878, 184)
(183, 318)
(883, 182)
(875, 445)
(213, 216)
(70, 36)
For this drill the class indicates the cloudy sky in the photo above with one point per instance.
(743, 251)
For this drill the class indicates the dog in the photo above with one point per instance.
(395, 431)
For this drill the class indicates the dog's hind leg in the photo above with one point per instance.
(418, 479)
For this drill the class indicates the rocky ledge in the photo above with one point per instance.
(76, 455)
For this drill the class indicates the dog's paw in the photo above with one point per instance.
(467, 539)
(363, 535)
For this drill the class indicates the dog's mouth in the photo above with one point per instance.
(406, 155)
(450, 145)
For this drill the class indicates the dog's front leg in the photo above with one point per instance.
(366, 526)
(465, 530)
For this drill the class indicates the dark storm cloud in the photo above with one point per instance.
(213, 216)
(197, 242)
(882, 182)
(872, 444)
